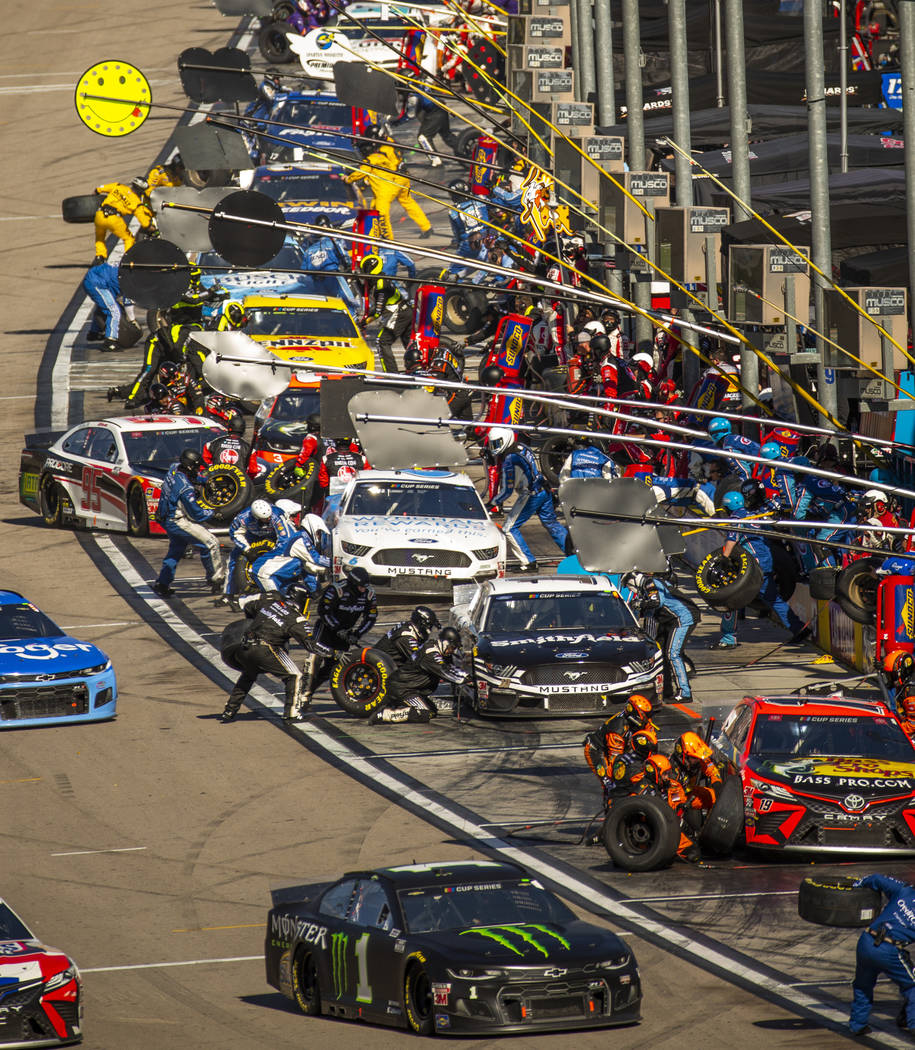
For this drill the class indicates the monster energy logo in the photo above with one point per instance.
(339, 943)
(508, 935)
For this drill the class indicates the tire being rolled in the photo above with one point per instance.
(724, 824)
(856, 590)
(359, 681)
(243, 580)
(227, 489)
(81, 208)
(641, 833)
(834, 900)
(743, 578)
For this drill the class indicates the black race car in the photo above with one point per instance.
(469, 947)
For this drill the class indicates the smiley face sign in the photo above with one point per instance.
(112, 98)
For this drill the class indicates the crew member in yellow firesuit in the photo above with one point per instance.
(383, 172)
(120, 203)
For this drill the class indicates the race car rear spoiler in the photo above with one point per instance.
(298, 894)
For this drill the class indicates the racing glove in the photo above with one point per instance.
(299, 472)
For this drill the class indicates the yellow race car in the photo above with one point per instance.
(315, 330)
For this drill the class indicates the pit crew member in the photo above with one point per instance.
(403, 642)
(410, 687)
(260, 521)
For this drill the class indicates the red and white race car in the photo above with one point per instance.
(39, 989)
(105, 474)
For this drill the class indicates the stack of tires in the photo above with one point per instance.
(854, 588)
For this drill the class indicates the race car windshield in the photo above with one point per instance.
(315, 186)
(309, 114)
(530, 612)
(159, 449)
(295, 406)
(11, 926)
(478, 906)
(809, 736)
(309, 322)
(392, 499)
(25, 621)
(289, 257)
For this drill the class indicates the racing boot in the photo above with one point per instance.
(110, 346)
(426, 144)
(228, 715)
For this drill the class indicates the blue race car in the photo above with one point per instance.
(320, 121)
(47, 677)
(308, 192)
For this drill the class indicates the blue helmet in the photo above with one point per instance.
(733, 501)
(771, 450)
(718, 428)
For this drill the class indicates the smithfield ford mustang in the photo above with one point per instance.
(469, 947)
(416, 531)
(553, 646)
(828, 774)
(40, 989)
(47, 677)
(106, 474)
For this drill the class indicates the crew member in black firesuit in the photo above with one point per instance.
(228, 448)
(612, 738)
(403, 642)
(410, 688)
(346, 611)
(264, 648)
(387, 302)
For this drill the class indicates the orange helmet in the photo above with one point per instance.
(644, 742)
(899, 665)
(907, 703)
(658, 769)
(690, 750)
(637, 711)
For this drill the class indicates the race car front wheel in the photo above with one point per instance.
(641, 833)
(835, 900)
(137, 512)
(305, 986)
(273, 43)
(417, 1001)
(359, 681)
(553, 453)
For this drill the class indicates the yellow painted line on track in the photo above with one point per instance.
(22, 780)
(237, 926)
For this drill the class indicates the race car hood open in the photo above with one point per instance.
(59, 655)
(535, 944)
(576, 646)
(839, 777)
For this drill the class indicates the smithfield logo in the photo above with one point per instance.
(853, 803)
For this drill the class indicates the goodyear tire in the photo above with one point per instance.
(553, 453)
(417, 1000)
(243, 580)
(226, 490)
(823, 583)
(834, 900)
(273, 43)
(51, 502)
(306, 988)
(359, 681)
(128, 333)
(641, 833)
(137, 511)
(724, 824)
(727, 583)
(281, 482)
(466, 142)
(81, 208)
(230, 643)
(856, 590)
(463, 310)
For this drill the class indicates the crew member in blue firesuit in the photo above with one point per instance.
(722, 441)
(653, 595)
(882, 950)
(102, 286)
(296, 559)
(182, 517)
(534, 496)
(757, 546)
(260, 521)
(587, 461)
(825, 500)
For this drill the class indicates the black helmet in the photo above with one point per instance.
(235, 422)
(298, 596)
(600, 344)
(158, 392)
(451, 637)
(423, 618)
(372, 264)
(314, 423)
(754, 493)
(459, 189)
(492, 375)
(189, 462)
(357, 578)
(168, 371)
(412, 358)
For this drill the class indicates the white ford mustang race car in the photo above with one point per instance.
(416, 531)
(320, 48)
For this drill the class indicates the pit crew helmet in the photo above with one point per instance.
(644, 361)
(600, 345)
(500, 440)
(658, 769)
(314, 527)
(719, 428)
(190, 462)
(289, 507)
(424, 618)
(314, 423)
(754, 493)
(412, 358)
(298, 596)
(261, 510)
(637, 712)
(899, 665)
(158, 392)
(492, 375)
(233, 315)
(450, 639)
(771, 450)
(644, 742)
(139, 183)
(733, 501)
(458, 190)
(371, 265)
(357, 578)
(690, 751)
(595, 328)
(879, 499)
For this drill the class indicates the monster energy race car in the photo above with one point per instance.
(468, 947)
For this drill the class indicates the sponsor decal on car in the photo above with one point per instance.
(849, 772)
(440, 994)
(44, 651)
(512, 936)
(289, 928)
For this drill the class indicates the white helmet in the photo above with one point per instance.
(500, 439)
(595, 328)
(288, 506)
(876, 495)
(633, 580)
(644, 359)
(261, 510)
(315, 526)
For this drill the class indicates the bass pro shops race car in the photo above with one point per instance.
(470, 947)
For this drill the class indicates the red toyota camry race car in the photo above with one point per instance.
(822, 773)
